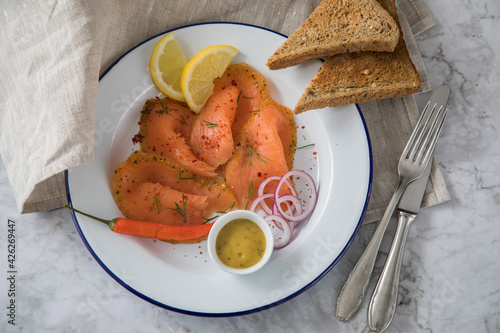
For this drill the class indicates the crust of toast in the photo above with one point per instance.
(335, 27)
(362, 77)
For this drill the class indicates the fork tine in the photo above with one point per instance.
(417, 132)
(423, 133)
(436, 131)
(423, 143)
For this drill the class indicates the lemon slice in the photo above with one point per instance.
(197, 80)
(166, 65)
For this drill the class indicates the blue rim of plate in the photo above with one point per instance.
(239, 313)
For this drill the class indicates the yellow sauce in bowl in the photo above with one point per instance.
(240, 244)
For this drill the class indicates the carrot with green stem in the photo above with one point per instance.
(153, 230)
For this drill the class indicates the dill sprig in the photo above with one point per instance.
(228, 208)
(253, 152)
(179, 174)
(238, 99)
(209, 124)
(246, 97)
(165, 108)
(182, 120)
(156, 202)
(181, 210)
(250, 195)
(208, 219)
(250, 191)
(306, 146)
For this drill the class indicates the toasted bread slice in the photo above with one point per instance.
(363, 76)
(335, 27)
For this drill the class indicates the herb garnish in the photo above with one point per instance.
(259, 156)
(182, 178)
(250, 194)
(250, 191)
(246, 97)
(181, 211)
(156, 202)
(238, 100)
(182, 120)
(165, 109)
(209, 124)
(228, 208)
(208, 219)
(309, 145)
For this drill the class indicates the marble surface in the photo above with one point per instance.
(450, 271)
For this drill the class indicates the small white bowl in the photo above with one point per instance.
(240, 214)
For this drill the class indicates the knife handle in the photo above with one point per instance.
(383, 302)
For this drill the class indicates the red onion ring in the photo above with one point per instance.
(288, 206)
(287, 234)
(260, 192)
(262, 186)
(258, 200)
(312, 190)
(295, 212)
(285, 199)
(264, 183)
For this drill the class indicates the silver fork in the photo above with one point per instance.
(412, 163)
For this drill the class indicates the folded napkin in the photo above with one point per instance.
(53, 53)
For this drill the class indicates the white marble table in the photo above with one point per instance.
(450, 275)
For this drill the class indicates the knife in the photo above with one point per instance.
(384, 299)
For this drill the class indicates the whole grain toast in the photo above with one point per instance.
(363, 76)
(335, 27)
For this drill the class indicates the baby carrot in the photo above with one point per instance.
(153, 230)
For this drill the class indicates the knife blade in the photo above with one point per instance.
(412, 197)
(384, 299)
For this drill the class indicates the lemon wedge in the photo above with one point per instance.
(166, 65)
(197, 80)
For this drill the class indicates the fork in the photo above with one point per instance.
(412, 163)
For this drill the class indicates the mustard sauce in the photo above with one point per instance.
(240, 244)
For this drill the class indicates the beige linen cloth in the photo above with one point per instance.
(53, 53)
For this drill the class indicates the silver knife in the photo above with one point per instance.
(384, 299)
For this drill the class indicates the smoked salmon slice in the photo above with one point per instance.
(211, 134)
(165, 127)
(265, 147)
(253, 90)
(149, 187)
(237, 95)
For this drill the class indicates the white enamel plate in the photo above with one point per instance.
(181, 277)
